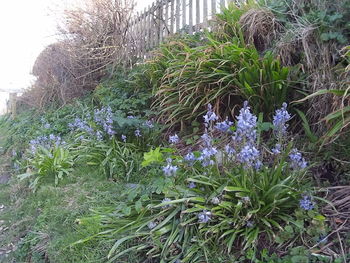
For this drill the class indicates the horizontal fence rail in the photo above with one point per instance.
(166, 17)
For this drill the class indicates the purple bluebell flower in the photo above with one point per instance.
(215, 200)
(257, 165)
(297, 160)
(246, 125)
(223, 126)
(306, 203)
(104, 118)
(174, 139)
(151, 225)
(210, 116)
(277, 149)
(246, 199)
(230, 150)
(123, 138)
(131, 117)
(191, 185)
(190, 157)
(149, 124)
(16, 166)
(204, 217)
(206, 156)
(207, 139)
(81, 125)
(280, 120)
(250, 223)
(99, 135)
(248, 155)
(46, 142)
(47, 125)
(137, 133)
(169, 169)
(165, 200)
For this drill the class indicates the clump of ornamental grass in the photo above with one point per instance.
(223, 70)
(225, 198)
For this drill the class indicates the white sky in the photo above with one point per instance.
(26, 28)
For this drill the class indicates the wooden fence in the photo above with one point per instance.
(166, 17)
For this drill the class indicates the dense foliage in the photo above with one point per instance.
(226, 146)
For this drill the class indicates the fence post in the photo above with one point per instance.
(13, 104)
(166, 19)
(177, 16)
(198, 15)
(222, 4)
(190, 17)
(213, 8)
(184, 22)
(172, 17)
(161, 21)
(148, 28)
(156, 23)
(205, 13)
(143, 32)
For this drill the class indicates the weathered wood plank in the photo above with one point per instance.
(198, 14)
(166, 19)
(172, 13)
(149, 31)
(144, 31)
(184, 14)
(213, 8)
(205, 13)
(177, 16)
(161, 21)
(152, 26)
(190, 17)
(222, 4)
(156, 23)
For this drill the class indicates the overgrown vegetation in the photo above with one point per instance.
(225, 146)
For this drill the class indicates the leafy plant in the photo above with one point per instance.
(215, 200)
(114, 159)
(56, 162)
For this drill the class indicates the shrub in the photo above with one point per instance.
(92, 41)
(222, 71)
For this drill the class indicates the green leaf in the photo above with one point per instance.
(24, 176)
(312, 137)
(235, 189)
(126, 210)
(138, 206)
(153, 156)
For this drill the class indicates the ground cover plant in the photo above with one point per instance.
(219, 198)
(225, 146)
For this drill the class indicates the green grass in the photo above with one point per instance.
(43, 224)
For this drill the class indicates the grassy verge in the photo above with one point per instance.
(40, 227)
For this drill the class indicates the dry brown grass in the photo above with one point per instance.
(260, 27)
